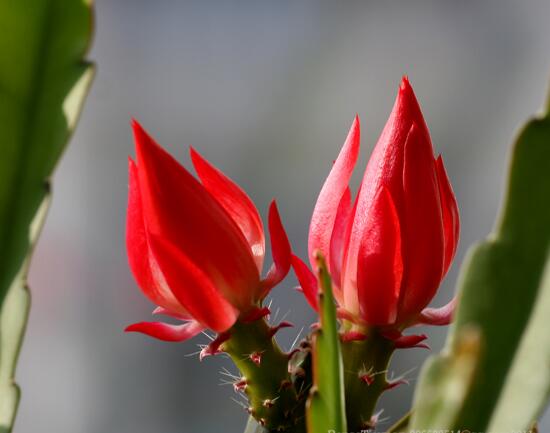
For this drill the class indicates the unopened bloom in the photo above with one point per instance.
(196, 247)
(388, 250)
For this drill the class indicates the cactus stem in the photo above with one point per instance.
(366, 360)
(263, 365)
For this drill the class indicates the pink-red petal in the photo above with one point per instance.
(385, 168)
(423, 228)
(235, 202)
(176, 315)
(167, 332)
(449, 208)
(335, 186)
(178, 208)
(307, 280)
(142, 263)
(192, 287)
(338, 240)
(280, 251)
(438, 316)
(380, 263)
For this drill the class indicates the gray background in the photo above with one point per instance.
(267, 91)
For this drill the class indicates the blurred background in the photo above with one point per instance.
(266, 91)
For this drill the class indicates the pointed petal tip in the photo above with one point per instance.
(409, 101)
(195, 156)
(307, 280)
(166, 332)
(136, 126)
(405, 83)
(356, 122)
(281, 251)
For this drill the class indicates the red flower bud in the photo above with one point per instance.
(196, 248)
(389, 251)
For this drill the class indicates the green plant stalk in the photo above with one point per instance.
(273, 400)
(365, 366)
(325, 407)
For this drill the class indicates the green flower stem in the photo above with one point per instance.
(273, 400)
(365, 366)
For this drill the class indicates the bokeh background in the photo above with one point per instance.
(267, 91)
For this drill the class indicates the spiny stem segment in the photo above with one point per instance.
(267, 382)
(365, 367)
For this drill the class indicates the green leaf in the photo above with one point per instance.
(527, 386)
(499, 286)
(43, 81)
(446, 381)
(326, 403)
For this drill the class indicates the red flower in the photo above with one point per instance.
(196, 248)
(389, 251)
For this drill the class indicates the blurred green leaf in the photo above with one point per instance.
(527, 385)
(499, 286)
(326, 405)
(43, 81)
(446, 381)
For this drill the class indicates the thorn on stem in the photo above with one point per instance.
(240, 385)
(367, 378)
(256, 357)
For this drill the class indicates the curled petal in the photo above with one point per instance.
(335, 186)
(235, 202)
(280, 251)
(307, 280)
(192, 287)
(438, 316)
(338, 240)
(215, 346)
(423, 235)
(449, 210)
(167, 332)
(380, 263)
(274, 329)
(395, 383)
(176, 315)
(178, 208)
(142, 263)
(410, 341)
(255, 314)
